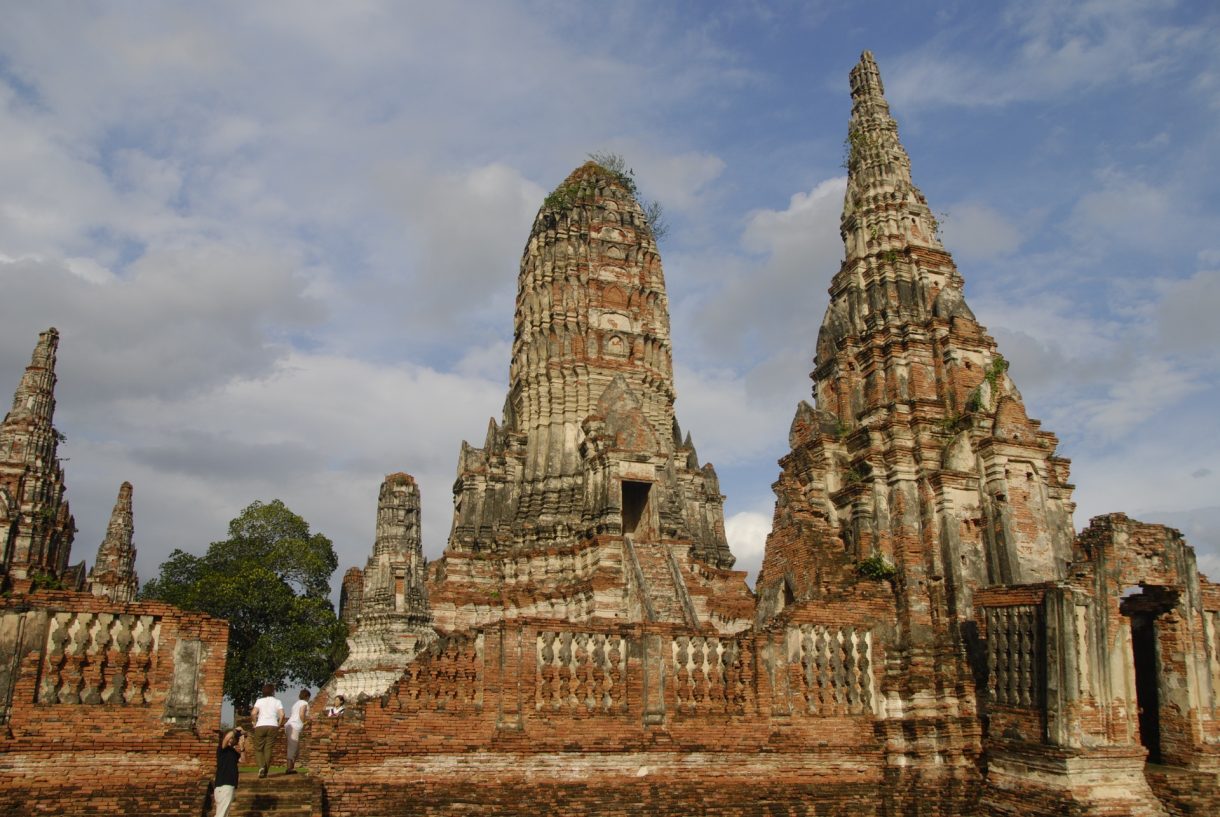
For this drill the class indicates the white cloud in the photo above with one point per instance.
(975, 231)
(180, 322)
(318, 431)
(775, 300)
(1126, 211)
(1048, 50)
(1186, 315)
(747, 534)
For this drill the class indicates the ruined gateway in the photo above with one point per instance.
(928, 634)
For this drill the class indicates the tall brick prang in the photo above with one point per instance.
(586, 501)
(114, 573)
(36, 526)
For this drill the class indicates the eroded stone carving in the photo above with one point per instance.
(113, 575)
(36, 526)
(96, 658)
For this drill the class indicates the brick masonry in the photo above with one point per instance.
(107, 708)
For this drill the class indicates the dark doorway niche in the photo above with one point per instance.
(635, 507)
(1143, 645)
(1143, 609)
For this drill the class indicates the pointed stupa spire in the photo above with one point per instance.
(895, 270)
(397, 550)
(385, 606)
(34, 515)
(883, 209)
(34, 400)
(913, 404)
(113, 575)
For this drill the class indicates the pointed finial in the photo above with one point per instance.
(866, 78)
(35, 395)
(113, 575)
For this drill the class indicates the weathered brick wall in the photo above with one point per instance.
(107, 708)
(534, 716)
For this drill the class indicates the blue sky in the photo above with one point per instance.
(280, 240)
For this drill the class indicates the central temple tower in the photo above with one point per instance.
(586, 501)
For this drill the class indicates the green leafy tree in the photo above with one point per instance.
(271, 580)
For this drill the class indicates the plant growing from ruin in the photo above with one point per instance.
(45, 581)
(854, 145)
(876, 567)
(654, 213)
(950, 422)
(858, 474)
(992, 378)
(998, 366)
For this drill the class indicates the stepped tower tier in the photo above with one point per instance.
(385, 606)
(585, 500)
(114, 573)
(36, 526)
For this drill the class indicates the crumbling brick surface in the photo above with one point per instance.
(110, 708)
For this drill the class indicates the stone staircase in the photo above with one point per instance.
(662, 588)
(282, 795)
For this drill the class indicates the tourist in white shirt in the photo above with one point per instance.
(268, 716)
(292, 729)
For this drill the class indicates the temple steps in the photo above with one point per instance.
(665, 596)
(281, 795)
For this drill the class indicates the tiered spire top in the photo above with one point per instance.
(35, 395)
(113, 573)
(866, 79)
(591, 306)
(30, 474)
(881, 200)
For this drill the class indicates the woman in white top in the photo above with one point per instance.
(292, 729)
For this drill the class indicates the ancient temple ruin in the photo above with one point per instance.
(928, 634)
(585, 502)
(107, 705)
(36, 527)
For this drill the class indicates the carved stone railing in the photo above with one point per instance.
(448, 675)
(709, 674)
(99, 658)
(1015, 656)
(580, 670)
(835, 666)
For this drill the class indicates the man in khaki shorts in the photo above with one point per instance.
(268, 717)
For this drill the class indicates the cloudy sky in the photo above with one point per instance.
(280, 240)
